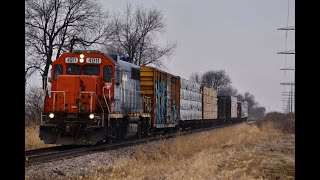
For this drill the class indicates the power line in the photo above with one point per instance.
(287, 69)
(290, 28)
(287, 52)
(287, 83)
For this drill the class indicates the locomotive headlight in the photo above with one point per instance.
(51, 115)
(91, 116)
(81, 58)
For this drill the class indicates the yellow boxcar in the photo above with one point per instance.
(164, 90)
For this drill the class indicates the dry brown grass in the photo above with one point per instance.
(240, 152)
(278, 121)
(32, 140)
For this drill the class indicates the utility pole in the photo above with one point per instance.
(288, 100)
(290, 94)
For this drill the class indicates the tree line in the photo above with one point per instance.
(53, 27)
(221, 82)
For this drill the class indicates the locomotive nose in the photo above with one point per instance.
(80, 93)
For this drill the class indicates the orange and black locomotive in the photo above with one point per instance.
(94, 97)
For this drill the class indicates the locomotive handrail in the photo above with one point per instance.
(41, 119)
(104, 96)
(92, 92)
(102, 110)
(87, 92)
(146, 101)
(54, 99)
(144, 98)
(99, 102)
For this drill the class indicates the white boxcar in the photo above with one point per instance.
(244, 108)
(190, 100)
(234, 105)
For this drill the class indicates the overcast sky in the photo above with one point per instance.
(239, 36)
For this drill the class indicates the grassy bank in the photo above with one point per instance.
(32, 140)
(240, 152)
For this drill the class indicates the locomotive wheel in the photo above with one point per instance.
(139, 130)
(144, 127)
(150, 132)
(177, 128)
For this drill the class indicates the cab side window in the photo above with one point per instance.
(135, 74)
(57, 70)
(74, 70)
(107, 73)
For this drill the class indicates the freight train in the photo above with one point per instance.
(96, 97)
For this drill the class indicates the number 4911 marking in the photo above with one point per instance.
(93, 60)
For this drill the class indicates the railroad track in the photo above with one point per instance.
(39, 156)
(48, 150)
(251, 121)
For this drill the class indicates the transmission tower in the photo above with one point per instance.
(288, 96)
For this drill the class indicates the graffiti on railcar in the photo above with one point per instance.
(161, 96)
(166, 110)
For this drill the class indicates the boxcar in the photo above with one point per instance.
(209, 103)
(164, 90)
(244, 109)
(227, 107)
(190, 100)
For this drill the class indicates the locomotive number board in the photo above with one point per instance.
(71, 60)
(93, 60)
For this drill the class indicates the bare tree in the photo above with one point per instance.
(254, 109)
(240, 97)
(251, 101)
(228, 91)
(195, 77)
(55, 26)
(258, 112)
(33, 105)
(137, 30)
(220, 81)
(216, 79)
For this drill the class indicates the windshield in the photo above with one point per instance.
(91, 70)
(74, 69)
